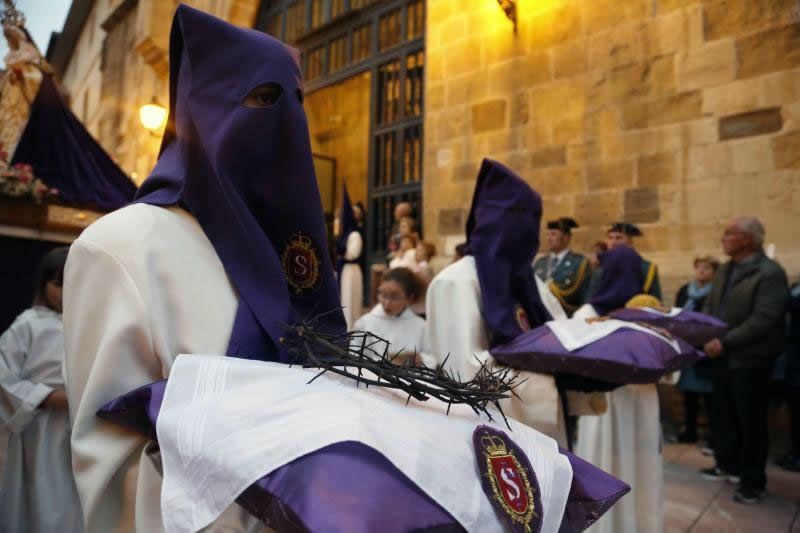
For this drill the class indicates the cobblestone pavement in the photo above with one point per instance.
(693, 504)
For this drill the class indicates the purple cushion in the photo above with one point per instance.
(693, 327)
(351, 487)
(624, 357)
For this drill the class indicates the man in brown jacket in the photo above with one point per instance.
(750, 293)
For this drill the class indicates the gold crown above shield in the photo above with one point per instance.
(493, 445)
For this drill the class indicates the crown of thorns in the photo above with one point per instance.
(365, 358)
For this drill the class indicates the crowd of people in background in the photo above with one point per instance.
(733, 390)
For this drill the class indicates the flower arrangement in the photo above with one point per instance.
(19, 181)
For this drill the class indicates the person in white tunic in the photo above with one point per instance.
(626, 440)
(350, 247)
(392, 319)
(222, 249)
(37, 489)
(491, 295)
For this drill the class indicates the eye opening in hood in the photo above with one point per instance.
(265, 95)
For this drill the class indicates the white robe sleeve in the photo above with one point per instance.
(19, 398)
(109, 351)
(354, 246)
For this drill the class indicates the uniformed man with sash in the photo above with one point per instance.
(567, 273)
(622, 233)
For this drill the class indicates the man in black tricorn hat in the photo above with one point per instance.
(622, 234)
(567, 273)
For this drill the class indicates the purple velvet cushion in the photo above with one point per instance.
(691, 326)
(351, 487)
(624, 357)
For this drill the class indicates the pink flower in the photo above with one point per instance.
(55, 192)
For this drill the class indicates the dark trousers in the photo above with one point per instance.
(691, 405)
(739, 423)
(793, 400)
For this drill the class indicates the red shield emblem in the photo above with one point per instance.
(300, 263)
(508, 480)
(509, 483)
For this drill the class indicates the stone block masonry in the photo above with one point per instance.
(675, 114)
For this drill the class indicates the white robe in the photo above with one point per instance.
(352, 282)
(455, 326)
(404, 332)
(142, 285)
(626, 442)
(37, 490)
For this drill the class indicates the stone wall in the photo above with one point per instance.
(674, 114)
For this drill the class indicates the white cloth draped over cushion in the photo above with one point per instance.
(626, 442)
(455, 327)
(210, 456)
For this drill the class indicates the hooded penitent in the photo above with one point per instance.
(348, 226)
(236, 154)
(622, 279)
(503, 236)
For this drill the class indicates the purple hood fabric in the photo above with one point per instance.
(693, 327)
(621, 279)
(246, 174)
(350, 487)
(624, 357)
(65, 156)
(503, 236)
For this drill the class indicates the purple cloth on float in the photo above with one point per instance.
(247, 175)
(621, 279)
(626, 356)
(503, 237)
(691, 326)
(351, 487)
(66, 157)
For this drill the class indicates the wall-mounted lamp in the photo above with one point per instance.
(152, 116)
(509, 7)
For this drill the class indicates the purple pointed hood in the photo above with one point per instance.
(246, 174)
(503, 236)
(622, 279)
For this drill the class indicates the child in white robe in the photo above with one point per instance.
(392, 319)
(37, 489)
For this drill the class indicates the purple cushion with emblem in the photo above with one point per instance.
(351, 487)
(624, 357)
(691, 326)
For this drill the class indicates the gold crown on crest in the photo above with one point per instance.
(12, 15)
(302, 240)
(493, 445)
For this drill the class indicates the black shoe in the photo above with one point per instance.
(789, 462)
(686, 437)
(748, 496)
(718, 474)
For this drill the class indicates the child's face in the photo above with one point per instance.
(393, 298)
(53, 293)
(406, 244)
(421, 254)
(404, 227)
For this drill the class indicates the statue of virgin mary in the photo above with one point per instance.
(19, 84)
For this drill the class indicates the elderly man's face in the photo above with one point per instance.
(616, 238)
(734, 240)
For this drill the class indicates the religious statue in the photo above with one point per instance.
(19, 84)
